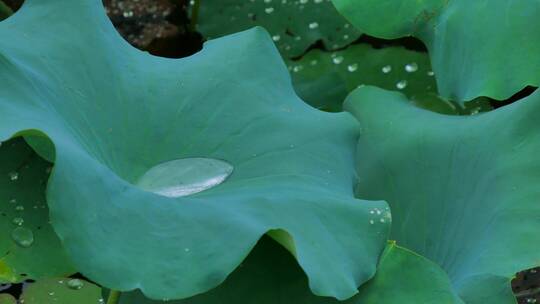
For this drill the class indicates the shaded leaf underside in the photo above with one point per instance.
(271, 276)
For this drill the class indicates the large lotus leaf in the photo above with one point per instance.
(477, 48)
(61, 291)
(29, 248)
(115, 113)
(295, 25)
(463, 190)
(271, 276)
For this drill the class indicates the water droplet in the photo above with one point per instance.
(51, 293)
(13, 201)
(269, 10)
(313, 62)
(19, 208)
(386, 69)
(185, 176)
(371, 222)
(18, 221)
(411, 67)
(352, 67)
(23, 236)
(313, 25)
(430, 73)
(276, 37)
(402, 84)
(298, 68)
(531, 300)
(382, 220)
(75, 284)
(186, 249)
(337, 59)
(13, 176)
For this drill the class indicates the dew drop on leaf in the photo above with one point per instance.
(18, 221)
(75, 284)
(337, 59)
(352, 67)
(23, 236)
(402, 84)
(411, 67)
(386, 69)
(13, 176)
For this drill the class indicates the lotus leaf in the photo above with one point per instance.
(29, 248)
(113, 113)
(61, 291)
(467, 195)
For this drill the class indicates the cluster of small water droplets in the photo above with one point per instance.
(380, 215)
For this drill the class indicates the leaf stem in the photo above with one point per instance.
(114, 296)
(5, 11)
(195, 14)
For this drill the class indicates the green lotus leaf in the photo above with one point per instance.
(463, 190)
(61, 291)
(29, 248)
(271, 276)
(468, 41)
(115, 115)
(294, 25)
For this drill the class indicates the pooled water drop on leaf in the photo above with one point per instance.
(313, 25)
(352, 67)
(19, 208)
(386, 69)
(23, 236)
(185, 176)
(75, 284)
